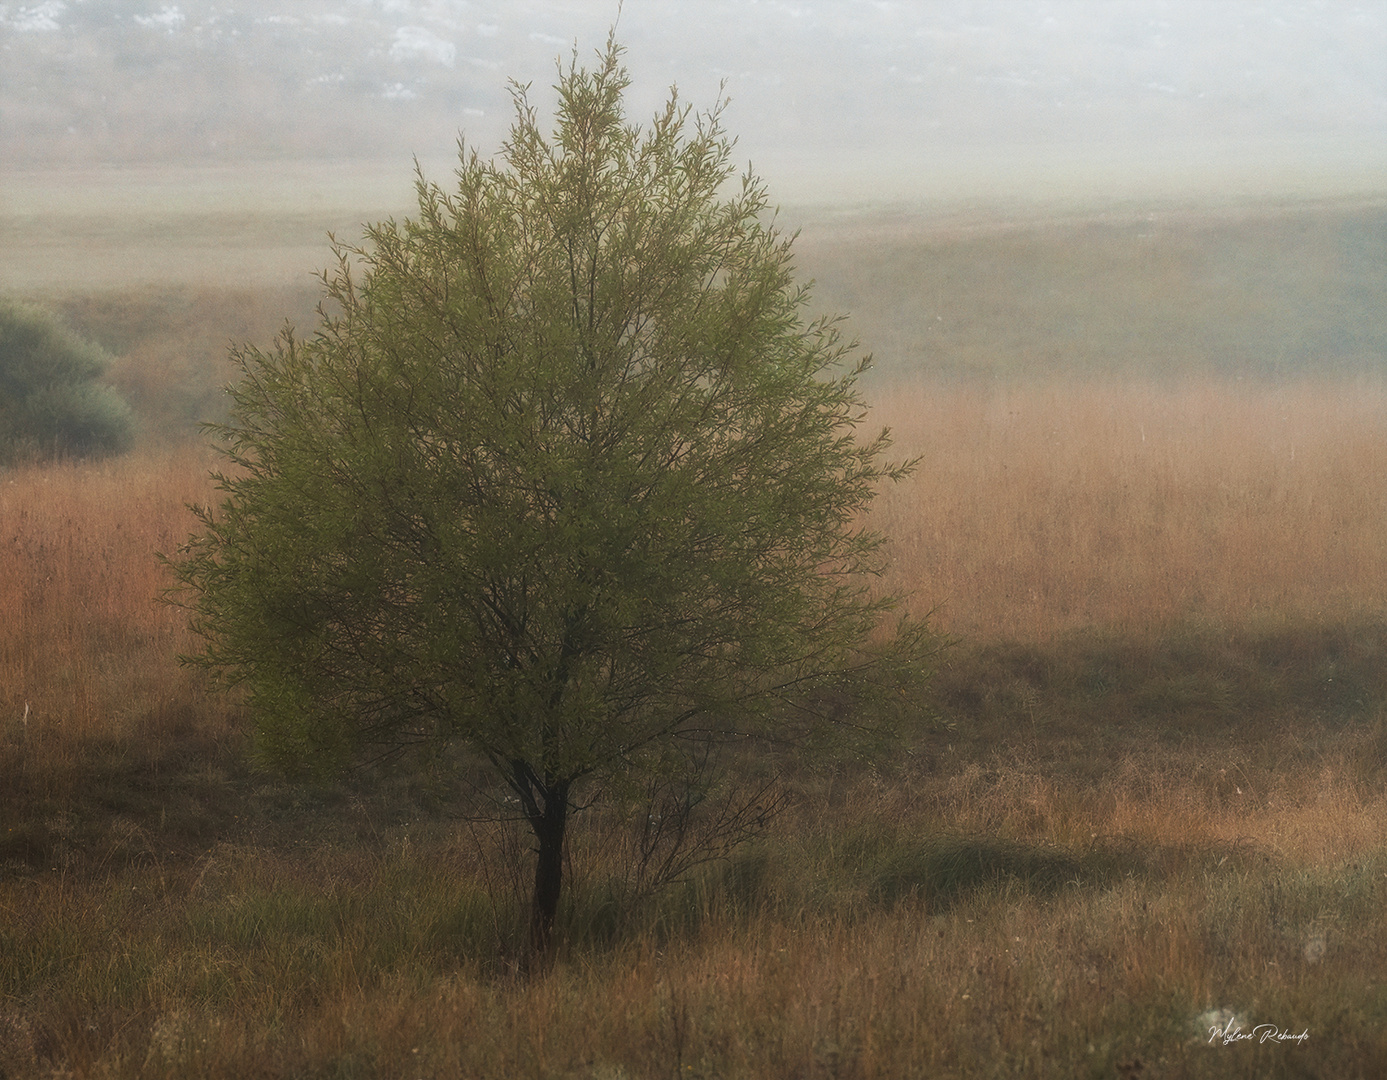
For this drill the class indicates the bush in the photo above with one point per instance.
(50, 401)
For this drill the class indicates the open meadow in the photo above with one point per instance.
(1145, 798)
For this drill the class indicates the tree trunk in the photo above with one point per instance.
(549, 825)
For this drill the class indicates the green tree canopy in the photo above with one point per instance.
(50, 400)
(563, 474)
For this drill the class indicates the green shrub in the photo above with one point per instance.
(50, 401)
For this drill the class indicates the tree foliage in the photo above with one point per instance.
(563, 475)
(50, 400)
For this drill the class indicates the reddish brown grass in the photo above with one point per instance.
(86, 647)
(1134, 879)
(1041, 507)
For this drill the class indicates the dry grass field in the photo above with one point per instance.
(1047, 506)
(1146, 798)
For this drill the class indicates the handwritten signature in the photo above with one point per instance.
(1232, 1032)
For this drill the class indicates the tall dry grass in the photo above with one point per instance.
(1040, 507)
(1037, 508)
(87, 650)
(982, 921)
(1081, 877)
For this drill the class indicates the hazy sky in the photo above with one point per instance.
(845, 99)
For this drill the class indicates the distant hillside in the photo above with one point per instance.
(1251, 290)
(1257, 289)
(119, 81)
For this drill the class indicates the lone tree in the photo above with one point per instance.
(50, 400)
(563, 475)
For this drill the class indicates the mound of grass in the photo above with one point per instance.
(1177, 679)
(944, 870)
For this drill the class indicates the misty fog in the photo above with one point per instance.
(831, 101)
(221, 142)
(1121, 266)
